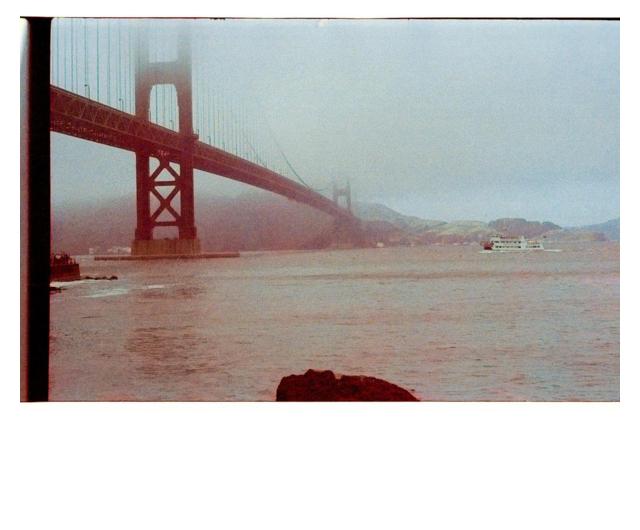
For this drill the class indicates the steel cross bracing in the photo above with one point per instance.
(78, 116)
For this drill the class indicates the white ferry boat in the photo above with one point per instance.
(503, 244)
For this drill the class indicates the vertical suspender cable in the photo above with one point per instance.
(86, 59)
(229, 125)
(151, 57)
(129, 73)
(132, 54)
(234, 127)
(232, 120)
(238, 126)
(57, 51)
(125, 73)
(201, 102)
(125, 68)
(204, 106)
(209, 106)
(76, 62)
(238, 145)
(97, 59)
(217, 122)
(232, 143)
(243, 111)
(222, 123)
(119, 70)
(212, 123)
(195, 114)
(225, 139)
(164, 107)
(216, 117)
(117, 62)
(72, 58)
(238, 123)
(70, 53)
(76, 47)
(155, 91)
(204, 109)
(128, 57)
(64, 56)
(243, 131)
(108, 61)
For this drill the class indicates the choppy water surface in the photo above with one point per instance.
(449, 323)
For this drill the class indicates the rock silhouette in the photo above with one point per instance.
(325, 386)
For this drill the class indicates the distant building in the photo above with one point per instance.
(119, 250)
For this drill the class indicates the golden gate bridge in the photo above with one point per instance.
(132, 84)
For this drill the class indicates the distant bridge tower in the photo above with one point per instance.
(177, 183)
(345, 192)
(347, 233)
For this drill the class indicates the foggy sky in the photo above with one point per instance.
(440, 119)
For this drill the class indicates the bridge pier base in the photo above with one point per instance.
(165, 247)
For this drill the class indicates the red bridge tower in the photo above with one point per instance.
(174, 172)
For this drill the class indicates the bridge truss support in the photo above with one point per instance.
(164, 191)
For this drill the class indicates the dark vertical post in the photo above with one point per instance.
(144, 230)
(37, 218)
(187, 228)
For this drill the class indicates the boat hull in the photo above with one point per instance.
(64, 272)
(511, 244)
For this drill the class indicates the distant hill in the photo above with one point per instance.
(522, 227)
(265, 221)
(413, 230)
(380, 212)
(611, 229)
(607, 231)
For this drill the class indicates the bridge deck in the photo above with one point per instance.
(84, 118)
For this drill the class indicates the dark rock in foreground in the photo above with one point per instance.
(325, 386)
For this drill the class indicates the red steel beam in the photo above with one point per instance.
(84, 118)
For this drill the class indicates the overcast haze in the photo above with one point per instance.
(439, 119)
